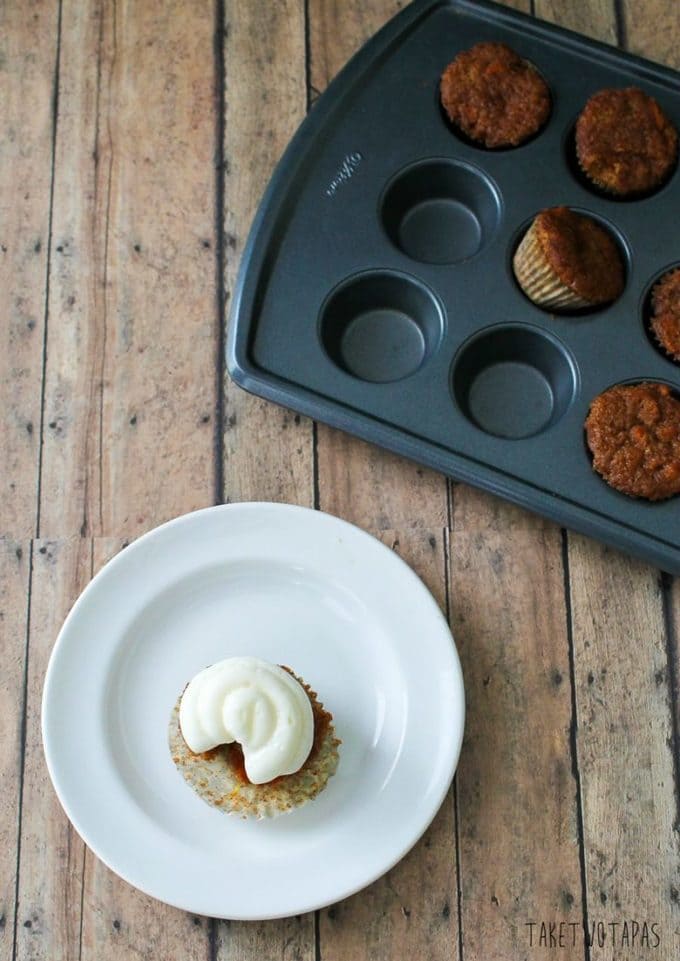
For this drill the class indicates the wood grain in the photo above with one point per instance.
(134, 431)
(130, 386)
(121, 922)
(625, 746)
(358, 481)
(118, 920)
(268, 452)
(596, 19)
(28, 56)
(15, 557)
(518, 818)
(672, 611)
(337, 30)
(288, 939)
(52, 855)
(620, 645)
(411, 912)
(376, 489)
(651, 28)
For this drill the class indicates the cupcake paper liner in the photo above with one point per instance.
(214, 778)
(666, 332)
(537, 278)
(662, 345)
(601, 185)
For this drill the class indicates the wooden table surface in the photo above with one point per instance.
(135, 142)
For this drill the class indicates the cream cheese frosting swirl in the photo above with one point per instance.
(255, 703)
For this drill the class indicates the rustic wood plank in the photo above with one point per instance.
(623, 694)
(358, 481)
(411, 912)
(672, 610)
(596, 18)
(268, 452)
(518, 819)
(28, 54)
(14, 585)
(51, 854)
(286, 939)
(517, 812)
(651, 28)
(625, 748)
(118, 920)
(375, 488)
(121, 922)
(282, 471)
(337, 30)
(130, 390)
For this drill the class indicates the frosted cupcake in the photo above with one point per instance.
(252, 739)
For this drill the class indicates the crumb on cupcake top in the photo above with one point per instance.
(665, 321)
(633, 432)
(582, 253)
(494, 96)
(624, 141)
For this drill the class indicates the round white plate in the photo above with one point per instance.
(293, 586)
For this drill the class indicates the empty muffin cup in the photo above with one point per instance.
(513, 381)
(441, 211)
(381, 326)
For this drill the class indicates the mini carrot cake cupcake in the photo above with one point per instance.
(625, 144)
(665, 321)
(568, 261)
(252, 739)
(494, 96)
(633, 432)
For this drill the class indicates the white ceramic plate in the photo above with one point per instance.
(296, 587)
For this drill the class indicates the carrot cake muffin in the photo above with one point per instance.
(252, 739)
(633, 432)
(625, 144)
(665, 321)
(493, 96)
(567, 261)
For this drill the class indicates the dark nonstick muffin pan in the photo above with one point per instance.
(376, 291)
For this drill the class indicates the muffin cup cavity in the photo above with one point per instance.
(460, 135)
(647, 318)
(538, 280)
(514, 381)
(632, 439)
(440, 211)
(581, 177)
(381, 326)
(625, 143)
(492, 98)
(541, 285)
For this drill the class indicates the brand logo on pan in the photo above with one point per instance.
(349, 165)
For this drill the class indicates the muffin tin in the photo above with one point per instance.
(376, 290)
